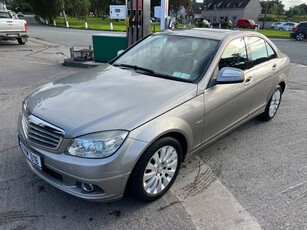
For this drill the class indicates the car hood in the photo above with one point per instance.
(106, 98)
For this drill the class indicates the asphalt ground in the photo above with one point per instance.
(253, 178)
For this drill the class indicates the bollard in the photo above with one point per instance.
(85, 24)
(46, 21)
(111, 26)
(54, 22)
(67, 24)
(71, 53)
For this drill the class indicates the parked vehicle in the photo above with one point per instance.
(200, 22)
(223, 24)
(246, 23)
(285, 26)
(299, 32)
(20, 15)
(12, 28)
(137, 118)
(274, 24)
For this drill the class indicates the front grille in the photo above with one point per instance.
(42, 133)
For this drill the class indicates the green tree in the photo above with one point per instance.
(45, 8)
(297, 10)
(272, 7)
(77, 7)
(19, 5)
(96, 7)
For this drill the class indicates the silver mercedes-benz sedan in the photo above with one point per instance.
(136, 119)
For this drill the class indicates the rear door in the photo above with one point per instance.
(265, 66)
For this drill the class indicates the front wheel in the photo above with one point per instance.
(157, 169)
(273, 104)
(300, 37)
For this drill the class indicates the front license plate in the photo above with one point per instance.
(35, 159)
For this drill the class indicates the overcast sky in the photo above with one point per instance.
(291, 3)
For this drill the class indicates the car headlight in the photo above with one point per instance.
(97, 145)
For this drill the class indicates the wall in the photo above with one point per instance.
(252, 10)
(215, 15)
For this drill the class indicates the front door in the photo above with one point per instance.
(227, 105)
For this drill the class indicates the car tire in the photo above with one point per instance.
(157, 169)
(300, 37)
(21, 41)
(272, 105)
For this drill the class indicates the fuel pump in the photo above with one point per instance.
(138, 20)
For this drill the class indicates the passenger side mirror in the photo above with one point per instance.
(229, 75)
(120, 52)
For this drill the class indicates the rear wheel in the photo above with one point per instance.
(21, 41)
(300, 37)
(273, 104)
(157, 169)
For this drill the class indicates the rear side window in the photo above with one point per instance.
(235, 55)
(257, 50)
(271, 52)
(5, 15)
(302, 25)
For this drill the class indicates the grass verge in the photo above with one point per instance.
(96, 23)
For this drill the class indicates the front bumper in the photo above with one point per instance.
(109, 176)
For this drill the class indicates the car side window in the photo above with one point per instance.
(235, 55)
(5, 15)
(257, 50)
(271, 52)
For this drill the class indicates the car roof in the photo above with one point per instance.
(214, 34)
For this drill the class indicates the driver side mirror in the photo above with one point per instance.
(229, 75)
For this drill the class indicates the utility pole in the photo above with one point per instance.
(265, 13)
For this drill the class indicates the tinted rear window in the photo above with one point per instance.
(302, 25)
(5, 15)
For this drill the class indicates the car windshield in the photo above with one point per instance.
(168, 56)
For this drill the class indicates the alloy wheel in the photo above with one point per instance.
(300, 37)
(160, 170)
(274, 103)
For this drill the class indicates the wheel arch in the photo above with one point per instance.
(282, 85)
(173, 134)
(181, 139)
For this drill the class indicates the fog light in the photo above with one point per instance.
(87, 187)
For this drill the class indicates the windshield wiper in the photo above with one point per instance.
(151, 72)
(135, 67)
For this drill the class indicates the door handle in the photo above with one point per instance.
(274, 67)
(248, 80)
